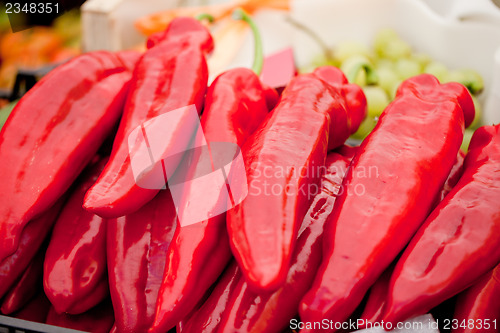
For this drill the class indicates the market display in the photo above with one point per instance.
(323, 234)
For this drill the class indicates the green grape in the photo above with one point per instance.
(365, 128)
(352, 65)
(472, 80)
(437, 69)
(467, 137)
(407, 68)
(478, 114)
(376, 99)
(384, 63)
(382, 38)
(395, 49)
(422, 59)
(348, 49)
(455, 76)
(387, 78)
(322, 60)
(394, 90)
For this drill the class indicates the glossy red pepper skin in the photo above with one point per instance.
(96, 320)
(53, 132)
(376, 299)
(75, 278)
(208, 317)
(479, 305)
(370, 225)
(32, 237)
(458, 242)
(28, 285)
(247, 311)
(378, 291)
(36, 310)
(283, 155)
(235, 105)
(136, 246)
(171, 74)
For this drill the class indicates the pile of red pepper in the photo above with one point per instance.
(382, 232)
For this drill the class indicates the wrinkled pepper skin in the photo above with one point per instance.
(207, 318)
(247, 311)
(32, 237)
(28, 285)
(99, 319)
(36, 310)
(53, 132)
(479, 304)
(235, 106)
(75, 274)
(388, 191)
(453, 177)
(283, 155)
(458, 243)
(136, 246)
(171, 74)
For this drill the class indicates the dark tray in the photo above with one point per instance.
(14, 325)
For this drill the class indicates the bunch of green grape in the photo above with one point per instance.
(381, 69)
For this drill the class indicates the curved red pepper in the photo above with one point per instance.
(32, 237)
(389, 190)
(376, 299)
(282, 159)
(136, 246)
(378, 291)
(477, 307)
(453, 178)
(53, 132)
(171, 74)
(458, 242)
(247, 311)
(235, 105)
(36, 310)
(207, 318)
(96, 320)
(28, 285)
(74, 276)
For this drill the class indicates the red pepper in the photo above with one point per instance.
(458, 242)
(478, 308)
(453, 177)
(28, 285)
(136, 246)
(52, 133)
(378, 292)
(376, 299)
(36, 310)
(389, 190)
(282, 159)
(235, 105)
(96, 320)
(247, 311)
(75, 277)
(171, 74)
(32, 237)
(208, 317)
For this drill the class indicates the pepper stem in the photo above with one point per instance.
(371, 74)
(205, 16)
(258, 60)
